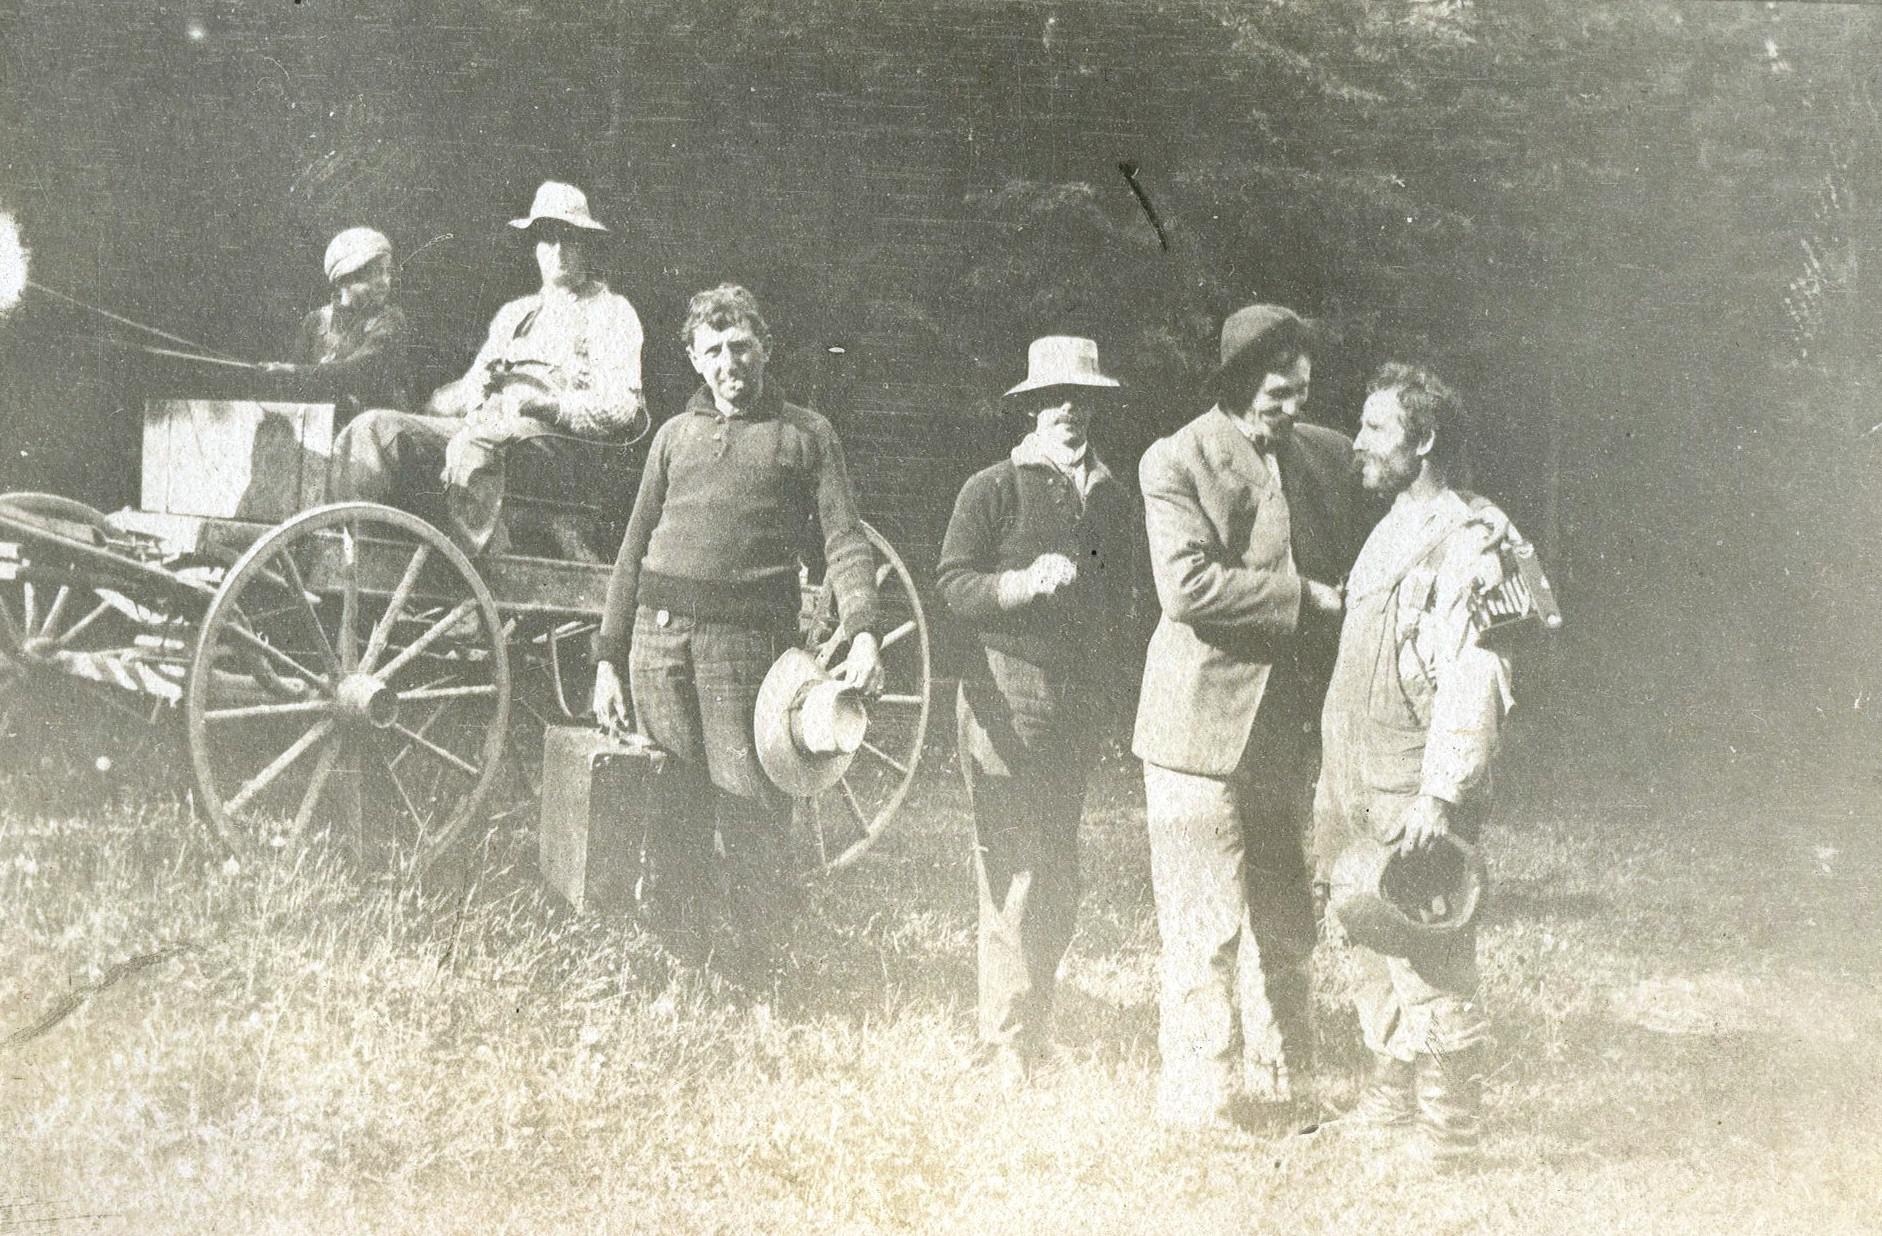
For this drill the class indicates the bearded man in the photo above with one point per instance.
(1411, 722)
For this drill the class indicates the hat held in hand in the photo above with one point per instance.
(1396, 903)
(808, 725)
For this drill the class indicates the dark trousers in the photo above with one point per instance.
(1028, 738)
(695, 686)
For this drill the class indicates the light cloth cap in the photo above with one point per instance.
(352, 249)
(1062, 360)
(562, 202)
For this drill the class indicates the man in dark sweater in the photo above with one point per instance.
(1038, 562)
(352, 350)
(704, 597)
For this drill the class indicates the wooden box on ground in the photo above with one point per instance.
(599, 793)
(235, 458)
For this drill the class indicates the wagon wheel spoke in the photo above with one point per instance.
(249, 712)
(899, 634)
(310, 797)
(65, 637)
(56, 610)
(353, 810)
(10, 626)
(281, 659)
(349, 596)
(431, 636)
(480, 690)
(423, 730)
(29, 607)
(855, 808)
(382, 631)
(411, 808)
(886, 758)
(297, 586)
(450, 757)
(266, 777)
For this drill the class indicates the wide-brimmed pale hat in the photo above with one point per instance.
(1062, 360)
(352, 249)
(1245, 331)
(1396, 903)
(561, 202)
(807, 725)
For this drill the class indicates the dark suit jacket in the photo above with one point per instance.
(1229, 550)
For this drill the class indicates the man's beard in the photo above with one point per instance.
(1379, 474)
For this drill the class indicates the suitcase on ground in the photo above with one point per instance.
(599, 793)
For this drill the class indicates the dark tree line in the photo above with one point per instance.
(1638, 233)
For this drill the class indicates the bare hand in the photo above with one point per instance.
(1324, 598)
(1423, 822)
(862, 668)
(1049, 573)
(610, 699)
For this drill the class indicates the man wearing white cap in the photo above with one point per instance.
(352, 349)
(1038, 562)
(562, 364)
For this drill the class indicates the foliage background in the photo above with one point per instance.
(1639, 235)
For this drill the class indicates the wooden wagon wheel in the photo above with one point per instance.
(846, 820)
(61, 624)
(350, 689)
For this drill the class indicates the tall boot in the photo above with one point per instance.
(1387, 1101)
(1450, 1104)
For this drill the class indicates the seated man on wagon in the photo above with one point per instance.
(561, 365)
(352, 350)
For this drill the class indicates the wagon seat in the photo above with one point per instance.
(569, 497)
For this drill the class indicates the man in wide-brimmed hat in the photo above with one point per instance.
(353, 349)
(562, 364)
(1252, 524)
(1038, 562)
(1411, 722)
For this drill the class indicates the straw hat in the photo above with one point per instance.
(352, 249)
(1062, 360)
(808, 726)
(562, 202)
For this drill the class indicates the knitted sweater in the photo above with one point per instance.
(727, 508)
(1009, 514)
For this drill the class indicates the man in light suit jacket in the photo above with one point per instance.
(1252, 521)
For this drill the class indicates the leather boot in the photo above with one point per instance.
(1450, 1104)
(1387, 1101)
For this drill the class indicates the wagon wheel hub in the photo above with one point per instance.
(365, 700)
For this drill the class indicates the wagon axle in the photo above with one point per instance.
(364, 699)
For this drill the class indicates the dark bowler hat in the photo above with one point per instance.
(1393, 902)
(1250, 334)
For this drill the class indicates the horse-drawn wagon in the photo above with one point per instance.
(344, 675)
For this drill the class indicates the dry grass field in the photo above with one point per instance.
(1685, 983)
